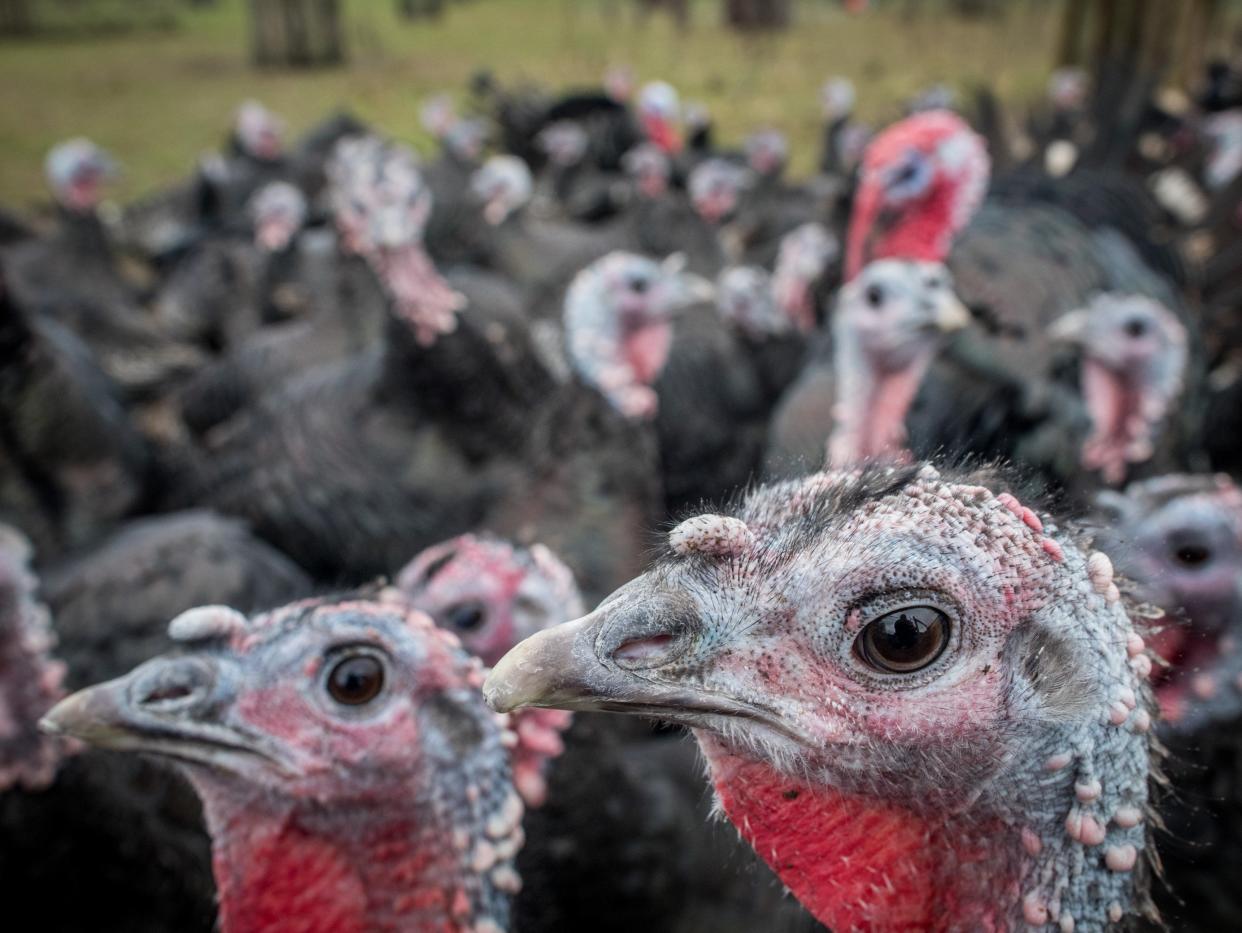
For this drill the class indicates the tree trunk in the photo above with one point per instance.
(756, 15)
(16, 18)
(1073, 25)
(296, 33)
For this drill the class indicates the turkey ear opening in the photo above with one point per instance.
(1052, 667)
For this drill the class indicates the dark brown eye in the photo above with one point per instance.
(875, 296)
(356, 680)
(1193, 555)
(465, 617)
(1136, 327)
(904, 641)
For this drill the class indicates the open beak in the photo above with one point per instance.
(169, 706)
(1069, 328)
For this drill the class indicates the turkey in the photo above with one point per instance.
(229, 286)
(72, 462)
(266, 717)
(30, 677)
(128, 830)
(356, 465)
(862, 376)
(918, 700)
(71, 276)
(1178, 539)
(1036, 250)
(665, 871)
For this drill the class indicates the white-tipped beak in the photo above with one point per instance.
(951, 314)
(1069, 328)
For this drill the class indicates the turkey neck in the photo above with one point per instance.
(286, 867)
(999, 860)
(872, 398)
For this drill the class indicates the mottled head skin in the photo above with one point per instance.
(462, 138)
(650, 168)
(278, 211)
(503, 184)
(888, 324)
(1000, 783)
(1068, 88)
(381, 207)
(804, 255)
(1134, 355)
(395, 812)
(76, 172)
(767, 153)
(716, 186)
(837, 98)
(438, 114)
(30, 678)
(922, 180)
(564, 142)
(619, 83)
(1178, 540)
(492, 594)
(744, 298)
(259, 133)
(618, 324)
(659, 110)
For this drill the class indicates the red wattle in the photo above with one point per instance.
(856, 863)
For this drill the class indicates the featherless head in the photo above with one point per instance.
(920, 700)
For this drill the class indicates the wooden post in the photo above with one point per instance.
(298, 33)
(1073, 25)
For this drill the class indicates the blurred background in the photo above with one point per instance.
(155, 81)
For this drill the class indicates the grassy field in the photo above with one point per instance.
(157, 99)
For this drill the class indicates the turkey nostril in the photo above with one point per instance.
(644, 649)
(170, 688)
(166, 694)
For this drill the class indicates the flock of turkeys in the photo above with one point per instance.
(910, 482)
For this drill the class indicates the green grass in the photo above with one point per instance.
(158, 99)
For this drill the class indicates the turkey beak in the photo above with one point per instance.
(138, 709)
(557, 667)
(169, 706)
(611, 661)
(688, 289)
(1069, 328)
(950, 314)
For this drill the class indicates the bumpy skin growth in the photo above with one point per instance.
(1178, 539)
(351, 777)
(30, 680)
(921, 705)
(492, 594)
(617, 325)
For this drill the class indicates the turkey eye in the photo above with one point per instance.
(904, 641)
(638, 286)
(1192, 555)
(1136, 328)
(356, 680)
(465, 617)
(874, 296)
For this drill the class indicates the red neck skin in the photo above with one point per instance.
(922, 231)
(858, 863)
(872, 402)
(1120, 428)
(645, 349)
(281, 871)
